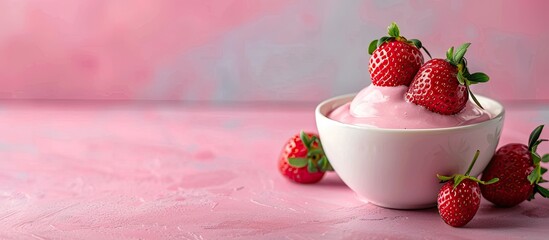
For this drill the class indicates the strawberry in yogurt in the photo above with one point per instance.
(437, 96)
(395, 60)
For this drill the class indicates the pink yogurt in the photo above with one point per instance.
(385, 107)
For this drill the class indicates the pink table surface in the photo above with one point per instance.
(94, 171)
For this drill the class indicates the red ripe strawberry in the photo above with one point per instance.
(302, 159)
(442, 86)
(395, 60)
(518, 167)
(459, 198)
(458, 205)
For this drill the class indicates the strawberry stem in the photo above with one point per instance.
(428, 54)
(473, 95)
(458, 178)
(477, 153)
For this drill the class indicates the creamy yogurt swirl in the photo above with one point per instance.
(385, 107)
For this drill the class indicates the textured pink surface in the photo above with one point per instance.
(242, 50)
(92, 171)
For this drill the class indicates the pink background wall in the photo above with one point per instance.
(237, 50)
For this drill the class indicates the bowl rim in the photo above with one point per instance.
(399, 130)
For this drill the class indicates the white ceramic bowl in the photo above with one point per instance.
(396, 168)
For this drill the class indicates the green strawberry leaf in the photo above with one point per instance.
(450, 54)
(312, 141)
(542, 170)
(535, 158)
(545, 158)
(382, 40)
(493, 180)
(458, 179)
(329, 166)
(478, 78)
(460, 53)
(393, 30)
(372, 47)
(534, 136)
(315, 151)
(534, 175)
(445, 178)
(535, 146)
(542, 191)
(298, 162)
(416, 43)
(305, 139)
(319, 143)
(325, 164)
(322, 164)
(540, 141)
(311, 167)
(461, 79)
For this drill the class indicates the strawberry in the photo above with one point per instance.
(442, 85)
(518, 167)
(395, 60)
(302, 159)
(459, 198)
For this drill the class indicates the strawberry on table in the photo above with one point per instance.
(459, 198)
(442, 85)
(302, 159)
(519, 170)
(395, 60)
